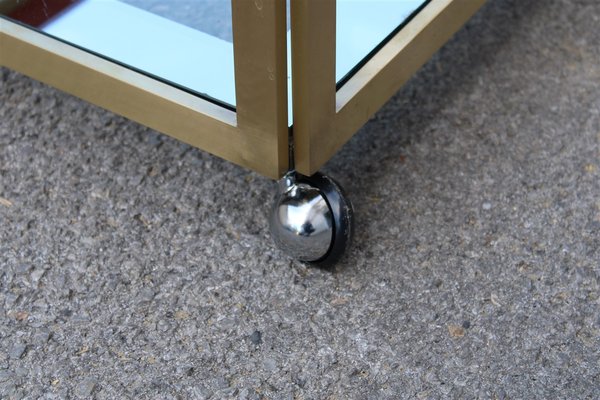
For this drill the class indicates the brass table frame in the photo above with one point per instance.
(256, 135)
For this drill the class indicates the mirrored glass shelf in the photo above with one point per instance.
(188, 43)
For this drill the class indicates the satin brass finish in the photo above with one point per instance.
(260, 58)
(313, 72)
(255, 137)
(319, 131)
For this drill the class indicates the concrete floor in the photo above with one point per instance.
(133, 266)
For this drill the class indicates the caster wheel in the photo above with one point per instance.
(311, 219)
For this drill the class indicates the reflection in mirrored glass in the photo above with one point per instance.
(161, 47)
(208, 16)
(189, 42)
(362, 25)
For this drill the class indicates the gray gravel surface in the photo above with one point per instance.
(133, 266)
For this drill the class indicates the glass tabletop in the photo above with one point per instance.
(188, 43)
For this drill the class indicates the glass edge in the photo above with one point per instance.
(376, 49)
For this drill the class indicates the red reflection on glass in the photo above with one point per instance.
(37, 13)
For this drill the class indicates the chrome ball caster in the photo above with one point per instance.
(311, 219)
